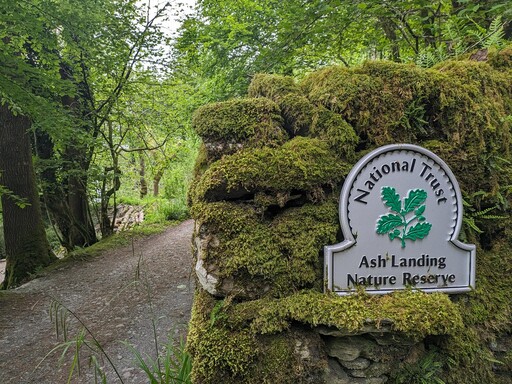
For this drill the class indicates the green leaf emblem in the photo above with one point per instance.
(391, 198)
(418, 231)
(415, 198)
(399, 225)
(388, 222)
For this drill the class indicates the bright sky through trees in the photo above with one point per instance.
(177, 10)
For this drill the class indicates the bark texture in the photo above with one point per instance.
(26, 245)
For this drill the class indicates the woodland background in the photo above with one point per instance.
(97, 97)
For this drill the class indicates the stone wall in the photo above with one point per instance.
(265, 201)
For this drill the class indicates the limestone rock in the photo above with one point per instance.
(358, 364)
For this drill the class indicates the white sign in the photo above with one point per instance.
(400, 214)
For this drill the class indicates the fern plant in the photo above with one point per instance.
(462, 37)
(494, 36)
(472, 218)
(426, 371)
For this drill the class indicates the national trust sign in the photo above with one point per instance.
(400, 214)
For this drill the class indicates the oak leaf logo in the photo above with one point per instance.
(407, 222)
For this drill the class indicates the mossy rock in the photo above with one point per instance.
(228, 126)
(335, 131)
(298, 114)
(273, 87)
(501, 59)
(281, 352)
(296, 110)
(383, 102)
(411, 313)
(470, 101)
(249, 256)
(264, 213)
(224, 355)
(302, 164)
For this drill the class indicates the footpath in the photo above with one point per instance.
(118, 295)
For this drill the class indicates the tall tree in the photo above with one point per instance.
(77, 56)
(26, 244)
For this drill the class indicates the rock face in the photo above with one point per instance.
(265, 201)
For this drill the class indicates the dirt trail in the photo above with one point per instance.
(113, 295)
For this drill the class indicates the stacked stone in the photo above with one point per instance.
(256, 167)
(369, 357)
(265, 203)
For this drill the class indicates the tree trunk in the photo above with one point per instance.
(54, 198)
(26, 244)
(142, 180)
(67, 200)
(156, 182)
(81, 229)
(106, 224)
(389, 31)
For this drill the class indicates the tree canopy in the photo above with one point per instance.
(230, 41)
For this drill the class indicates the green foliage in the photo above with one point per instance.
(471, 218)
(162, 210)
(19, 201)
(172, 367)
(230, 41)
(425, 371)
(464, 37)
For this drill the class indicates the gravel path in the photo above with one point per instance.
(116, 295)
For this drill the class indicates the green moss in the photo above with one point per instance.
(218, 353)
(272, 359)
(490, 306)
(470, 361)
(274, 364)
(282, 253)
(201, 163)
(413, 313)
(300, 164)
(487, 314)
(373, 99)
(224, 355)
(484, 185)
(470, 100)
(501, 59)
(339, 134)
(298, 114)
(461, 110)
(255, 122)
(296, 109)
(273, 87)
